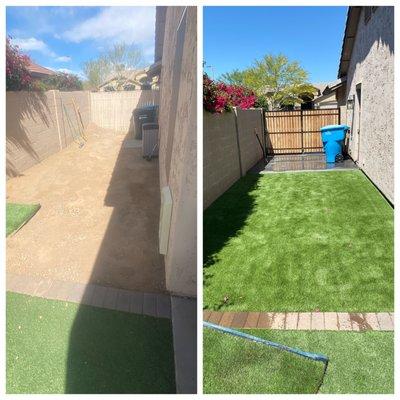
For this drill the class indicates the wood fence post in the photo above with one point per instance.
(302, 131)
(263, 133)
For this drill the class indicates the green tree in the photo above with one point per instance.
(276, 79)
(235, 77)
(120, 58)
(96, 72)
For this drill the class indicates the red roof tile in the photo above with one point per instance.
(38, 69)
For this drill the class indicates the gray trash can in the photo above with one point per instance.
(142, 116)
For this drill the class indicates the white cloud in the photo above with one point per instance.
(63, 59)
(33, 44)
(80, 74)
(117, 24)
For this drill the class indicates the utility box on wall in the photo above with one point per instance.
(165, 219)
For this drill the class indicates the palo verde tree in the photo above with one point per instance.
(120, 58)
(275, 79)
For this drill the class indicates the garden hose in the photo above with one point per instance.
(311, 356)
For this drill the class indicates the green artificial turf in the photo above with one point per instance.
(18, 214)
(235, 365)
(299, 242)
(60, 347)
(358, 363)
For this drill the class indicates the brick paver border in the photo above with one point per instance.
(318, 321)
(152, 304)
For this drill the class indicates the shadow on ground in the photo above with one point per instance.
(135, 356)
(127, 360)
(223, 221)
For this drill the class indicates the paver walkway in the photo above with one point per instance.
(333, 321)
(153, 304)
(98, 221)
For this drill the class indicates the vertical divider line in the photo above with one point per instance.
(58, 124)
(237, 141)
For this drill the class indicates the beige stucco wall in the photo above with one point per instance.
(32, 131)
(229, 149)
(177, 154)
(372, 66)
(326, 101)
(114, 110)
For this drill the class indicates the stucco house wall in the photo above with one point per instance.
(372, 67)
(177, 150)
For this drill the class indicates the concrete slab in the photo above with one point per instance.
(184, 326)
(301, 163)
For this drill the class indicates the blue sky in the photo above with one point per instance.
(235, 36)
(63, 38)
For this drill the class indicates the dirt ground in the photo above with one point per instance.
(99, 216)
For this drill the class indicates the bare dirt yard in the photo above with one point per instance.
(98, 220)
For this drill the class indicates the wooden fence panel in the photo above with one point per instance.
(297, 131)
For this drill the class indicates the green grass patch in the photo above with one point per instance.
(18, 214)
(358, 363)
(299, 242)
(236, 365)
(61, 347)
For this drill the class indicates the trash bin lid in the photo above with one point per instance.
(334, 127)
(149, 107)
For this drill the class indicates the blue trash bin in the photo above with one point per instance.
(332, 139)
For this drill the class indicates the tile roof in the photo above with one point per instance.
(39, 70)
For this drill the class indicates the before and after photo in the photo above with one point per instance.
(117, 224)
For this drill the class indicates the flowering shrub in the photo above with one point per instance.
(61, 81)
(219, 97)
(17, 75)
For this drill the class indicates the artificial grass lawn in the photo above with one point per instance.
(299, 242)
(17, 214)
(60, 347)
(358, 363)
(236, 365)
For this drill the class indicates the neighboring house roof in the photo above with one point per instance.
(320, 87)
(39, 71)
(135, 76)
(327, 87)
(353, 16)
(334, 85)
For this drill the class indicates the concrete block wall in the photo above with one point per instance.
(39, 124)
(36, 126)
(221, 167)
(68, 117)
(114, 110)
(250, 122)
(230, 149)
